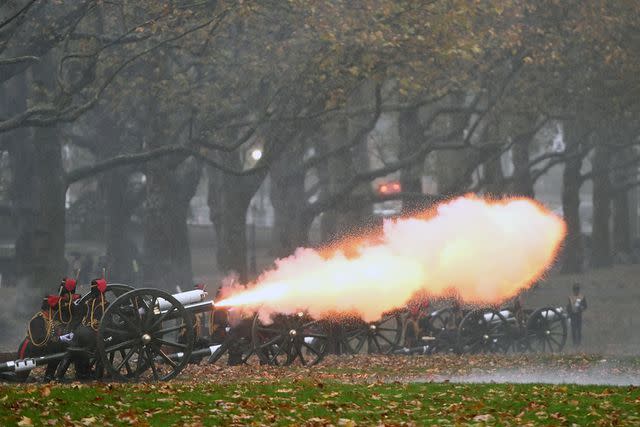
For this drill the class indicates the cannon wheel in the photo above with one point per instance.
(444, 328)
(483, 331)
(136, 341)
(546, 330)
(242, 346)
(235, 347)
(381, 337)
(290, 338)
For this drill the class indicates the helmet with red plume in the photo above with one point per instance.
(67, 285)
(99, 285)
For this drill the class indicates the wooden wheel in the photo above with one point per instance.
(290, 338)
(546, 330)
(443, 325)
(137, 340)
(235, 347)
(382, 336)
(483, 331)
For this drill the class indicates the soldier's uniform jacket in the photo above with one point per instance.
(44, 329)
(68, 312)
(577, 304)
(92, 311)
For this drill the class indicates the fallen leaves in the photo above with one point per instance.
(45, 391)
(344, 391)
(25, 422)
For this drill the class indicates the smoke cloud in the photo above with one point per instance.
(483, 251)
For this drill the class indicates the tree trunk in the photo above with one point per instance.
(38, 191)
(167, 254)
(622, 233)
(288, 197)
(493, 175)
(571, 183)
(601, 235)
(122, 251)
(410, 132)
(39, 198)
(229, 198)
(341, 169)
(328, 219)
(522, 182)
(621, 223)
(453, 169)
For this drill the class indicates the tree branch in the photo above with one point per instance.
(18, 60)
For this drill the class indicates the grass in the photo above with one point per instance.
(317, 403)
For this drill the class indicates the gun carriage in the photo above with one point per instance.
(491, 330)
(137, 338)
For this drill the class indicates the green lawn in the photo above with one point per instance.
(317, 403)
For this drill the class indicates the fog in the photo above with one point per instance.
(165, 146)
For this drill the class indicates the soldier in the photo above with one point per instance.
(200, 341)
(44, 336)
(577, 304)
(66, 307)
(414, 326)
(84, 334)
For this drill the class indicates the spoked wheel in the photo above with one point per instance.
(547, 330)
(343, 332)
(137, 336)
(483, 331)
(443, 325)
(290, 338)
(235, 346)
(382, 336)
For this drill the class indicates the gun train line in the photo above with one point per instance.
(118, 333)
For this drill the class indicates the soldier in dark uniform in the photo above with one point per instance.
(67, 310)
(414, 326)
(43, 337)
(84, 333)
(200, 341)
(577, 304)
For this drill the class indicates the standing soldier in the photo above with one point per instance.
(577, 304)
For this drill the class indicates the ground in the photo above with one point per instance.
(352, 390)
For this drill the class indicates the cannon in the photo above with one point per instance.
(454, 329)
(285, 339)
(150, 335)
(540, 331)
(137, 336)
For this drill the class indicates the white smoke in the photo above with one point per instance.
(483, 251)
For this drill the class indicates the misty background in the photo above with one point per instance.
(173, 142)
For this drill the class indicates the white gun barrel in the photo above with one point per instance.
(184, 298)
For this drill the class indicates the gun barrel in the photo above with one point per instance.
(29, 363)
(184, 298)
(200, 307)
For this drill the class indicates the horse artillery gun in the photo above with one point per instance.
(144, 334)
(455, 329)
(151, 335)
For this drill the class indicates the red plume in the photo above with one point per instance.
(53, 300)
(101, 284)
(70, 284)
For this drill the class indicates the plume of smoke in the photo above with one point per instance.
(483, 251)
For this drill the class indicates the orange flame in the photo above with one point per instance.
(483, 251)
